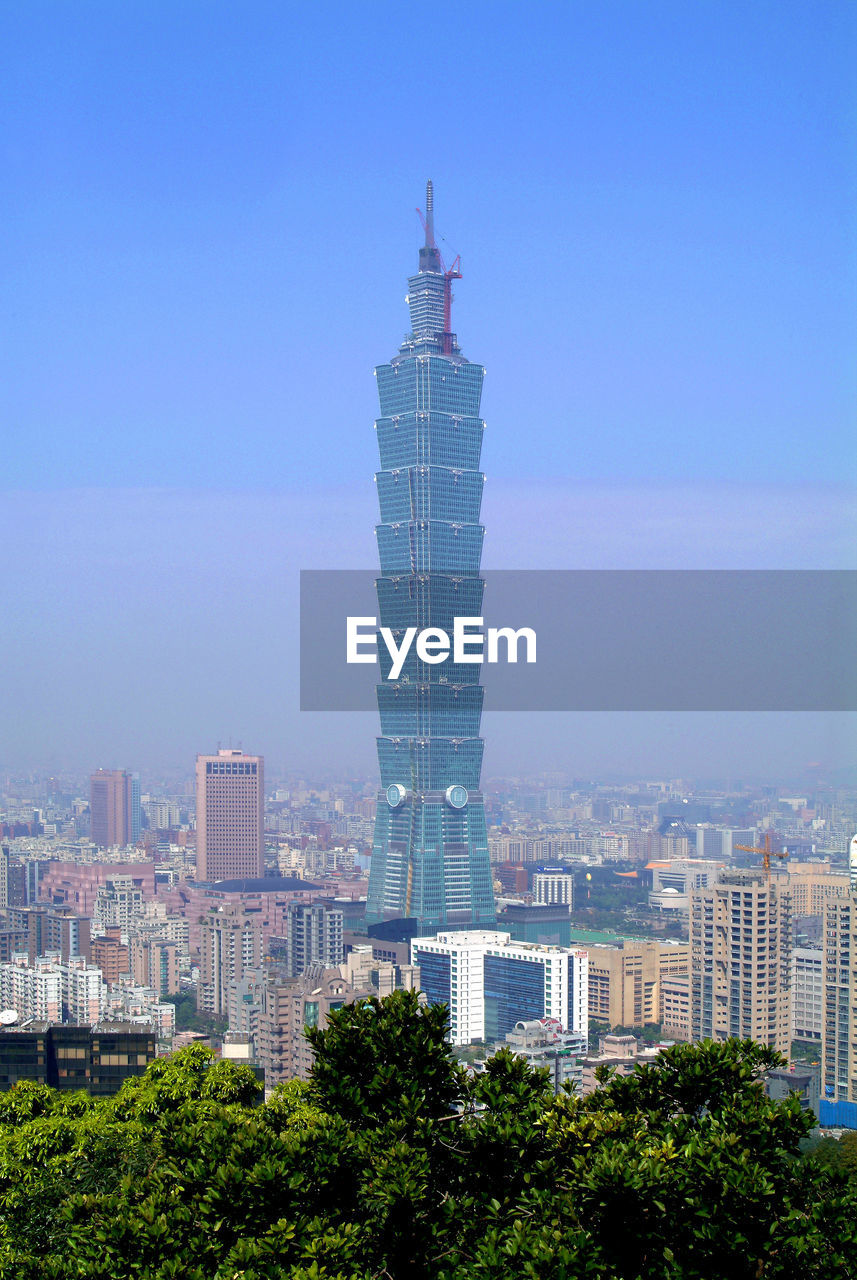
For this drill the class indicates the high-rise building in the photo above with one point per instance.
(839, 1020)
(430, 850)
(230, 825)
(740, 950)
(490, 982)
(230, 944)
(110, 808)
(314, 937)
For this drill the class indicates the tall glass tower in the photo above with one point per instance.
(430, 852)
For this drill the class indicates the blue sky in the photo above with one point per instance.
(208, 216)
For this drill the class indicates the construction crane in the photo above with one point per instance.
(449, 273)
(766, 851)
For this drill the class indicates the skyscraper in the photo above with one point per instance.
(110, 808)
(230, 794)
(740, 951)
(430, 851)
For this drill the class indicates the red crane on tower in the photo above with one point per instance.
(449, 273)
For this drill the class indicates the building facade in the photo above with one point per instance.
(314, 937)
(807, 995)
(110, 808)
(230, 944)
(740, 941)
(552, 885)
(490, 983)
(230, 821)
(839, 1025)
(430, 849)
(625, 983)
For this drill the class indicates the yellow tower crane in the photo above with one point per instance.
(766, 851)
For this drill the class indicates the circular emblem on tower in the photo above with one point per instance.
(395, 794)
(456, 796)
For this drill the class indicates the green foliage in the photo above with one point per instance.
(188, 1017)
(394, 1164)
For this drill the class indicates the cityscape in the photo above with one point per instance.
(444, 991)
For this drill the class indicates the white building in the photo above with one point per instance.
(552, 885)
(490, 983)
(84, 991)
(33, 992)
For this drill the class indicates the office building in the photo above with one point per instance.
(430, 851)
(491, 982)
(98, 1059)
(740, 943)
(625, 981)
(552, 885)
(110, 808)
(674, 880)
(230, 825)
(314, 937)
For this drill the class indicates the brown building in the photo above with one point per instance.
(287, 1008)
(625, 982)
(111, 955)
(230, 828)
(740, 940)
(110, 808)
(155, 963)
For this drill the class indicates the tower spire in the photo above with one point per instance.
(430, 215)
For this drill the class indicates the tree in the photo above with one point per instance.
(395, 1164)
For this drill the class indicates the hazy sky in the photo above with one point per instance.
(208, 220)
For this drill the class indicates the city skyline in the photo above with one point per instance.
(660, 275)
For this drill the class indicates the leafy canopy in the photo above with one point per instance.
(395, 1164)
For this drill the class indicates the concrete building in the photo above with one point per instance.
(52, 929)
(111, 955)
(546, 1045)
(813, 885)
(119, 902)
(111, 821)
(807, 1002)
(288, 1007)
(673, 881)
(839, 1026)
(552, 885)
(230, 828)
(155, 964)
(625, 981)
(621, 1053)
(491, 982)
(33, 991)
(740, 940)
(231, 943)
(675, 998)
(314, 937)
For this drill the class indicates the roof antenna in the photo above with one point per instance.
(429, 215)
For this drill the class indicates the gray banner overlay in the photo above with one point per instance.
(621, 640)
